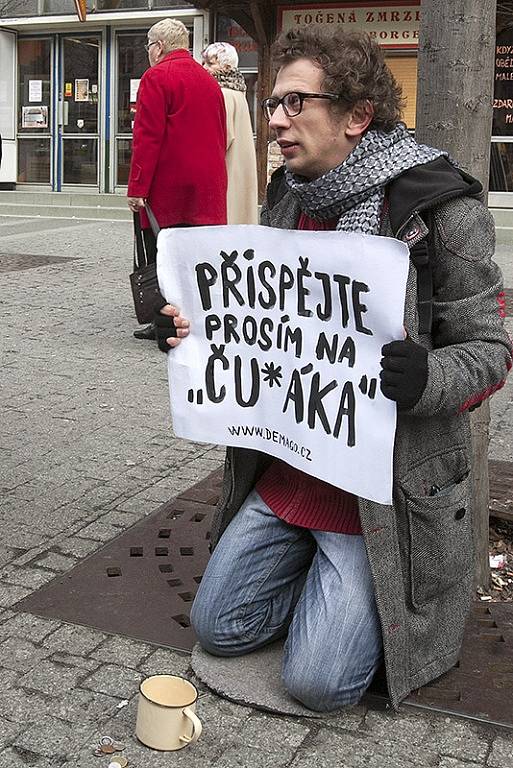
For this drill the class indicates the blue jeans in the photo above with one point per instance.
(267, 579)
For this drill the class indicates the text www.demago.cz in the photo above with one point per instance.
(273, 436)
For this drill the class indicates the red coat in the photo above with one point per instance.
(179, 145)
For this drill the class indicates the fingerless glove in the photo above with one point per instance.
(405, 372)
(164, 328)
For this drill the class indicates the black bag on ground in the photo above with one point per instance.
(143, 280)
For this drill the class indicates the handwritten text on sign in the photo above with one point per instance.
(286, 336)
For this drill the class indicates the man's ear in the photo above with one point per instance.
(360, 119)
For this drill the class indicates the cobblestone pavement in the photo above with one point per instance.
(86, 451)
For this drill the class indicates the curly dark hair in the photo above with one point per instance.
(354, 67)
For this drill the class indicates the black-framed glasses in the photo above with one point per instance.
(148, 45)
(292, 102)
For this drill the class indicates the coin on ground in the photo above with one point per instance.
(118, 762)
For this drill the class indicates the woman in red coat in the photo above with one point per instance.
(179, 143)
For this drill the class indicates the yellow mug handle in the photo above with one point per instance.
(196, 727)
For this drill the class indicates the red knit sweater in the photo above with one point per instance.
(303, 500)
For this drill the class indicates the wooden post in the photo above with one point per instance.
(454, 112)
(262, 127)
(264, 18)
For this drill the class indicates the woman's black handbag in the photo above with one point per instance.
(143, 280)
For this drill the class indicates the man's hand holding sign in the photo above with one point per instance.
(285, 345)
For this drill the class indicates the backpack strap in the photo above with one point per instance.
(277, 187)
(419, 255)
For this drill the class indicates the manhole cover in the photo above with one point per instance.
(16, 262)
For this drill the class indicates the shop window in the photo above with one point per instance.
(404, 69)
(80, 161)
(34, 161)
(503, 84)
(120, 5)
(228, 31)
(167, 4)
(34, 112)
(80, 57)
(501, 167)
(124, 151)
(132, 63)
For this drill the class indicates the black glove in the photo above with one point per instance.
(164, 328)
(405, 372)
(160, 302)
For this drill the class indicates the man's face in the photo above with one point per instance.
(314, 141)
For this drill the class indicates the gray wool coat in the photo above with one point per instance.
(420, 548)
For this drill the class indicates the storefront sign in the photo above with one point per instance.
(392, 24)
(285, 345)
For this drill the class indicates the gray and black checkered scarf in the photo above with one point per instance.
(355, 190)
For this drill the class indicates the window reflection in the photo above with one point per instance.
(19, 8)
(80, 56)
(80, 161)
(34, 161)
(124, 147)
(132, 62)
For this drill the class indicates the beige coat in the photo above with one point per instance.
(240, 160)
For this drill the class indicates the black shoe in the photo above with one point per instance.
(148, 332)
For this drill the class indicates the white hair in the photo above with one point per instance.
(225, 54)
(172, 34)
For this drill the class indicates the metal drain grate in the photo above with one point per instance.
(143, 582)
(480, 686)
(16, 262)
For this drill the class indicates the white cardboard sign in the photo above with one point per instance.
(283, 356)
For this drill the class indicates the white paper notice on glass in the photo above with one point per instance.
(285, 346)
(34, 117)
(35, 90)
(82, 89)
(134, 87)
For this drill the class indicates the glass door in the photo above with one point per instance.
(132, 61)
(35, 119)
(78, 111)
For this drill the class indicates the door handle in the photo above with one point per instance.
(62, 113)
